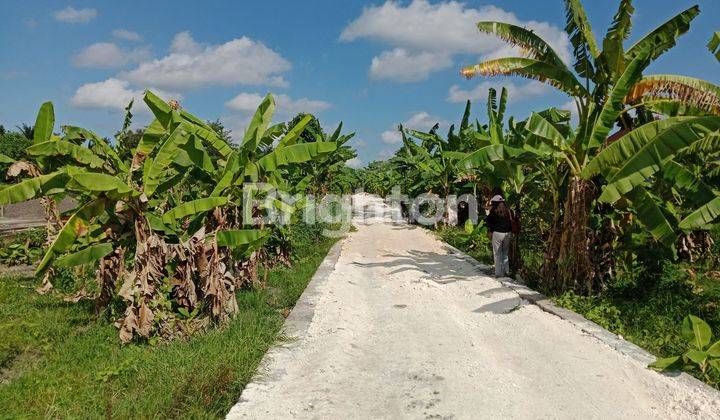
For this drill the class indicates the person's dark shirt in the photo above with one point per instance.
(497, 223)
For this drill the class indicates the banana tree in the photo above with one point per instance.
(164, 229)
(602, 78)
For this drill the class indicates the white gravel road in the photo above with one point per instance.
(403, 328)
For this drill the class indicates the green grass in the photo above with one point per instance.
(476, 245)
(58, 360)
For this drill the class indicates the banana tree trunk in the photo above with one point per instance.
(575, 268)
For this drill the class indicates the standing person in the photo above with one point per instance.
(499, 228)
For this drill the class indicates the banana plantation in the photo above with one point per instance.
(171, 255)
(169, 232)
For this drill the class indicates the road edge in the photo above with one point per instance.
(586, 326)
(294, 328)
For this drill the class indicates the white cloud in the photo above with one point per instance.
(113, 94)
(401, 65)
(391, 136)
(359, 143)
(442, 29)
(284, 105)
(194, 65)
(355, 163)
(109, 55)
(516, 92)
(421, 121)
(384, 154)
(72, 15)
(245, 104)
(126, 35)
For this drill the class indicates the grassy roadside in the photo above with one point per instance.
(646, 310)
(58, 360)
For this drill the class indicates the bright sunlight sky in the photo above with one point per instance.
(370, 64)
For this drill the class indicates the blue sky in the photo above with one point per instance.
(370, 64)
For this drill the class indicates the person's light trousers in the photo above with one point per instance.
(501, 247)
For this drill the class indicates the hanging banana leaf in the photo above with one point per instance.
(152, 135)
(240, 237)
(648, 160)
(86, 255)
(210, 137)
(65, 148)
(193, 207)
(702, 217)
(6, 159)
(650, 215)
(76, 226)
(30, 188)
(627, 146)
(91, 181)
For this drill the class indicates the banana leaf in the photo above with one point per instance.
(259, 123)
(76, 226)
(164, 157)
(86, 255)
(192, 208)
(627, 146)
(44, 123)
(65, 148)
(702, 217)
(614, 104)
(30, 188)
(664, 37)
(296, 153)
(97, 182)
(240, 237)
(650, 215)
(292, 135)
(649, 159)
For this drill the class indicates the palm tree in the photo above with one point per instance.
(602, 78)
